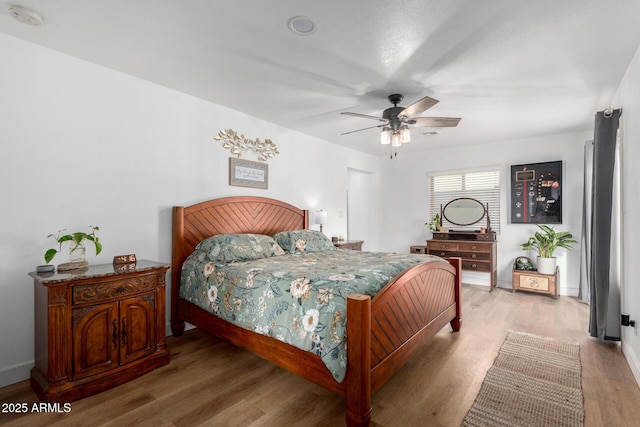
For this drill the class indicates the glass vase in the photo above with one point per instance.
(77, 253)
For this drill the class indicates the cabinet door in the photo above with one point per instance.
(95, 339)
(137, 325)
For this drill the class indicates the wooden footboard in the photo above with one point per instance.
(409, 311)
(382, 334)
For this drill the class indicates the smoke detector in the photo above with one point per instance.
(25, 16)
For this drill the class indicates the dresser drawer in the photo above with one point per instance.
(440, 253)
(484, 266)
(443, 246)
(474, 256)
(475, 247)
(113, 289)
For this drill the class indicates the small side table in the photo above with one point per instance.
(354, 245)
(533, 281)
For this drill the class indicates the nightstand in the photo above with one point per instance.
(354, 245)
(533, 281)
(97, 328)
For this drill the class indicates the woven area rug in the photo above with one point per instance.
(534, 381)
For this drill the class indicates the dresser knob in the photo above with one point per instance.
(473, 255)
(474, 247)
(473, 265)
(443, 253)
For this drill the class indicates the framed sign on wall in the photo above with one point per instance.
(245, 173)
(536, 193)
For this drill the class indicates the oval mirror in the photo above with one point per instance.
(463, 211)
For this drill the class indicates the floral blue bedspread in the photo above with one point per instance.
(296, 298)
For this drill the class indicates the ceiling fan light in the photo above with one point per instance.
(385, 136)
(395, 140)
(405, 134)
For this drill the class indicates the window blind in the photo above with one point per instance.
(481, 185)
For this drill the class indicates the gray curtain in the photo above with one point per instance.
(584, 291)
(602, 321)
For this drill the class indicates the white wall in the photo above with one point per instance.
(81, 144)
(628, 98)
(405, 212)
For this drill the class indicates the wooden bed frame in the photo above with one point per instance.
(382, 332)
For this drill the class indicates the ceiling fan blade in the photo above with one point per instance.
(418, 107)
(371, 127)
(364, 116)
(435, 122)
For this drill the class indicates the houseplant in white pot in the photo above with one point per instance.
(545, 242)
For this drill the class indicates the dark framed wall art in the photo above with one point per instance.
(536, 193)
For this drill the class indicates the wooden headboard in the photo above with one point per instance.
(243, 214)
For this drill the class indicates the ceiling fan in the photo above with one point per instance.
(396, 120)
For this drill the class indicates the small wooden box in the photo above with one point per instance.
(418, 249)
(533, 281)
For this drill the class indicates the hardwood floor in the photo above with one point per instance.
(211, 383)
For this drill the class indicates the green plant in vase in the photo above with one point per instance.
(434, 224)
(77, 241)
(545, 243)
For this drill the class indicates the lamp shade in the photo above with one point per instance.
(395, 140)
(321, 217)
(385, 136)
(405, 134)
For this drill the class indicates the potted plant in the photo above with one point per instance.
(77, 239)
(545, 242)
(434, 224)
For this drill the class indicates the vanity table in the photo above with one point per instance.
(477, 255)
(477, 248)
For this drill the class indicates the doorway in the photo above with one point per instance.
(362, 212)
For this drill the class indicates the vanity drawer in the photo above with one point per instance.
(475, 256)
(484, 266)
(440, 253)
(474, 247)
(443, 246)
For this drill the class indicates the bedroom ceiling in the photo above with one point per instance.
(509, 68)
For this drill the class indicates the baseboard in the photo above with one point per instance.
(632, 359)
(15, 374)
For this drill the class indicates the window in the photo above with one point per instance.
(482, 185)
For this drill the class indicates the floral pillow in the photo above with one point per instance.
(303, 241)
(240, 247)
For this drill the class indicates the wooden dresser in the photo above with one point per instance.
(97, 328)
(477, 254)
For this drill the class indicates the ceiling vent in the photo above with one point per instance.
(301, 25)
